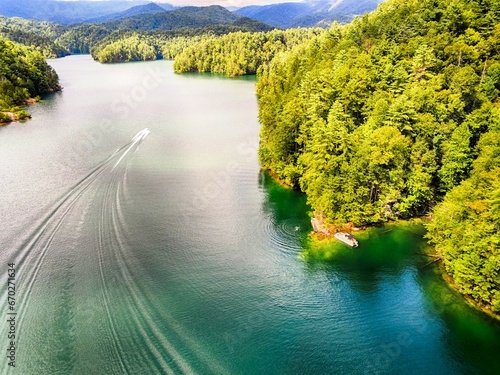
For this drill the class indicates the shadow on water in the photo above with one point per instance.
(471, 335)
(284, 203)
(287, 210)
(217, 76)
(383, 252)
(388, 255)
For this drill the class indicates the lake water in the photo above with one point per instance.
(168, 250)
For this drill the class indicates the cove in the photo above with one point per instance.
(174, 253)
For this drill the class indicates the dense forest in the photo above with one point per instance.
(24, 74)
(130, 45)
(38, 35)
(393, 116)
(142, 37)
(239, 53)
(80, 39)
(110, 42)
(466, 225)
(225, 49)
(380, 119)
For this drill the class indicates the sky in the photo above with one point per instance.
(225, 3)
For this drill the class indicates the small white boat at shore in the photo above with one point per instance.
(346, 238)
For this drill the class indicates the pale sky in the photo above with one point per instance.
(225, 3)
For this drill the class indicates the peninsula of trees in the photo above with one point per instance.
(24, 74)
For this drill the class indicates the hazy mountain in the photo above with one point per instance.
(350, 7)
(182, 17)
(131, 12)
(63, 12)
(279, 15)
(167, 6)
(309, 13)
(284, 15)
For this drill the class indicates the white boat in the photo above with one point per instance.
(346, 238)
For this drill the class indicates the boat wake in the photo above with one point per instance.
(78, 287)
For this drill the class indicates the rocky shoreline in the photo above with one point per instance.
(9, 116)
(324, 232)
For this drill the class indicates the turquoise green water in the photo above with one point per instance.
(171, 252)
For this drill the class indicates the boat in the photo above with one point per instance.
(346, 238)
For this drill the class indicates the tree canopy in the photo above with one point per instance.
(38, 35)
(238, 53)
(24, 74)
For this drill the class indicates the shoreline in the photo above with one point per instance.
(14, 117)
(319, 239)
(325, 236)
(11, 117)
(279, 180)
(448, 279)
(19, 115)
(324, 239)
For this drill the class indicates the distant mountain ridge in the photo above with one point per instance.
(191, 17)
(308, 13)
(131, 12)
(283, 15)
(64, 12)
(352, 7)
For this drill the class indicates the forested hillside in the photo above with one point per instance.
(38, 35)
(393, 116)
(380, 119)
(152, 29)
(24, 74)
(187, 17)
(386, 117)
(239, 53)
(466, 225)
(63, 12)
(81, 38)
(128, 45)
